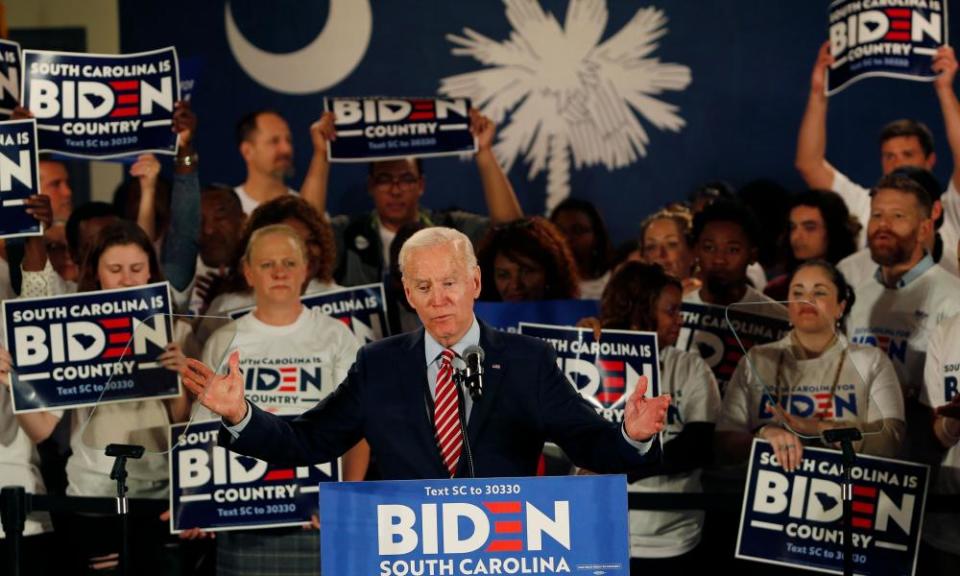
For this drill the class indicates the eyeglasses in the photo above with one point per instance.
(405, 181)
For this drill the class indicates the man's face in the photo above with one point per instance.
(269, 149)
(396, 187)
(808, 233)
(55, 183)
(724, 252)
(221, 222)
(904, 151)
(897, 227)
(441, 289)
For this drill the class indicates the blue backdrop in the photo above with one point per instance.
(749, 61)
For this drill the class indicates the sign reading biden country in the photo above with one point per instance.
(9, 77)
(890, 38)
(102, 106)
(547, 525)
(796, 519)
(216, 489)
(604, 372)
(78, 350)
(385, 128)
(19, 178)
(706, 331)
(362, 309)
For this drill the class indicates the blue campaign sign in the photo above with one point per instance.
(508, 315)
(216, 489)
(9, 76)
(572, 524)
(89, 348)
(796, 519)
(705, 330)
(604, 372)
(19, 178)
(100, 105)
(384, 128)
(891, 39)
(362, 309)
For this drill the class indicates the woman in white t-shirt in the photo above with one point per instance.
(643, 297)
(788, 392)
(281, 334)
(122, 256)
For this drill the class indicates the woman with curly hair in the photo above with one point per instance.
(527, 259)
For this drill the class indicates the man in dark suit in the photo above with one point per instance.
(399, 396)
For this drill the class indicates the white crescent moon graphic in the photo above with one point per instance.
(323, 63)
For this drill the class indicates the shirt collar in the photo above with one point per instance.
(919, 268)
(432, 348)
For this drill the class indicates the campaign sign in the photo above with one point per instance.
(705, 330)
(507, 316)
(362, 309)
(216, 489)
(604, 372)
(102, 106)
(546, 525)
(78, 350)
(888, 38)
(19, 178)
(384, 128)
(9, 76)
(796, 519)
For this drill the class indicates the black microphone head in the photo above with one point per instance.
(474, 350)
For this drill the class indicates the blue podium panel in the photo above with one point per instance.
(556, 525)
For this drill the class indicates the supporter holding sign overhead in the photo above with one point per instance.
(19, 178)
(396, 187)
(101, 105)
(892, 39)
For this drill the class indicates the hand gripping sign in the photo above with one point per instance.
(386, 128)
(19, 178)
(889, 38)
(102, 106)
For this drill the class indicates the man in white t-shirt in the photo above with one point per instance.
(902, 143)
(941, 374)
(266, 146)
(899, 307)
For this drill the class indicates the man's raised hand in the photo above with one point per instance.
(222, 395)
(645, 417)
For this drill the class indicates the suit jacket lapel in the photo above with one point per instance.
(494, 369)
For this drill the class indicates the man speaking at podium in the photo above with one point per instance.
(400, 396)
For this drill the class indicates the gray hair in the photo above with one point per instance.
(438, 236)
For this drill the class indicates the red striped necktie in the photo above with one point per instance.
(446, 416)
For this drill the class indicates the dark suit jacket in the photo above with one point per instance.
(385, 399)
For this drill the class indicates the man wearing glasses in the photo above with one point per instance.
(396, 186)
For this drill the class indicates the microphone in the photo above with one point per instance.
(471, 372)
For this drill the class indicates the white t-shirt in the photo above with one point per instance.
(248, 203)
(753, 302)
(857, 199)
(695, 397)
(757, 276)
(593, 289)
(900, 321)
(143, 422)
(867, 389)
(941, 374)
(287, 369)
(20, 463)
(858, 267)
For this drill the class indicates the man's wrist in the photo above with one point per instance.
(238, 417)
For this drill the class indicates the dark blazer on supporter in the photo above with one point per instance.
(385, 399)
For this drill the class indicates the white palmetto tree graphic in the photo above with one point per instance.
(570, 97)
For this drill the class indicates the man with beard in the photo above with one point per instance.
(725, 244)
(221, 224)
(908, 296)
(266, 146)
